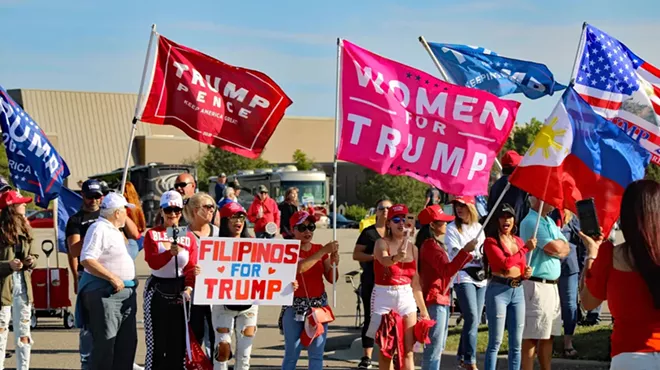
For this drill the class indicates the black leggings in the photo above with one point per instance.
(163, 325)
(365, 292)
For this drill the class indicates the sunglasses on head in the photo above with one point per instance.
(398, 219)
(170, 210)
(181, 185)
(302, 227)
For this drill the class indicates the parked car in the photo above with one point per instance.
(342, 222)
(42, 219)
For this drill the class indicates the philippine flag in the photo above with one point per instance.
(578, 155)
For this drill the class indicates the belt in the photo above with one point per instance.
(545, 281)
(392, 287)
(512, 282)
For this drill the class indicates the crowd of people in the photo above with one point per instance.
(527, 278)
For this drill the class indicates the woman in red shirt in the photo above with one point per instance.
(505, 298)
(173, 269)
(315, 261)
(436, 272)
(628, 277)
(397, 287)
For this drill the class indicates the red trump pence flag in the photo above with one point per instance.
(232, 108)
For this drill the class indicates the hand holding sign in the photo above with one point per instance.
(331, 247)
(402, 252)
(334, 258)
(174, 249)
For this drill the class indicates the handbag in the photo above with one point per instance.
(196, 358)
(477, 273)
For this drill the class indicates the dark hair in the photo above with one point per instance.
(423, 234)
(11, 226)
(507, 170)
(492, 230)
(224, 229)
(640, 224)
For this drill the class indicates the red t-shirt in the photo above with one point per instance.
(310, 282)
(501, 260)
(636, 320)
(436, 271)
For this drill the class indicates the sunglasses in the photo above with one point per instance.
(237, 218)
(302, 227)
(170, 210)
(398, 220)
(181, 184)
(382, 208)
(209, 207)
(94, 196)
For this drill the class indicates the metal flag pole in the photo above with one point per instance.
(578, 53)
(138, 107)
(446, 77)
(334, 168)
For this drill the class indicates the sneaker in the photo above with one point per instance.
(365, 363)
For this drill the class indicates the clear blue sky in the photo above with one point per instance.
(100, 46)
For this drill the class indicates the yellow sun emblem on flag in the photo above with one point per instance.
(546, 139)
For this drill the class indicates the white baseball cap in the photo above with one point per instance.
(115, 200)
(171, 198)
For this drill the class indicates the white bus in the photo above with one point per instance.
(313, 186)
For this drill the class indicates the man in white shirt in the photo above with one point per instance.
(107, 288)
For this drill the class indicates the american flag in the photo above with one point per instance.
(621, 87)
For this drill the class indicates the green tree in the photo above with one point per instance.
(653, 172)
(303, 163)
(4, 163)
(216, 161)
(399, 189)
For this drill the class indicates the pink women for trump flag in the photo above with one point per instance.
(398, 120)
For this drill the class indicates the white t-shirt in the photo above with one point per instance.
(455, 241)
(106, 244)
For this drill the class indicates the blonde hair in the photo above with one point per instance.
(195, 202)
(474, 216)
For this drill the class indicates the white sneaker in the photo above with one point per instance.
(137, 367)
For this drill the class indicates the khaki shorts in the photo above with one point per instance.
(542, 310)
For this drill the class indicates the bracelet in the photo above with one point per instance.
(591, 258)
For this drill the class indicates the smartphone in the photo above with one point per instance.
(180, 231)
(586, 209)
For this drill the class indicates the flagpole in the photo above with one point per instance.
(445, 77)
(578, 53)
(334, 168)
(138, 106)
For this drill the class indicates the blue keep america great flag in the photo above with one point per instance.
(34, 164)
(485, 70)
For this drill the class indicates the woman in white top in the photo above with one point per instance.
(470, 282)
(198, 212)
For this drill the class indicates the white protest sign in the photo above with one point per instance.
(246, 271)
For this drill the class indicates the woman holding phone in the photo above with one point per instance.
(397, 284)
(173, 270)
(16, 263)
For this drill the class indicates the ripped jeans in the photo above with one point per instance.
(19, 313)
(504, 305)
(224, 318)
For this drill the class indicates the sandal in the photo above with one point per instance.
(570, 353)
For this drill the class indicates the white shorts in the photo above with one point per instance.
(397, 298)
(542, 310)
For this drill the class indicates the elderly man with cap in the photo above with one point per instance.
(514, 196)
(107, 288)
(264, 211)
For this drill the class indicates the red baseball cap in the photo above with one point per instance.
(300, 217)
(433, 213)
(397, 210)
(12, 197)
(465, 199)
(232, 208)
(511, 159)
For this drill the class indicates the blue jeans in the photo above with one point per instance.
(292, 346)
(438, 335)
(504, 305)
(471, 299)
(568, 290)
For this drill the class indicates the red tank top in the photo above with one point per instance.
(400, 273)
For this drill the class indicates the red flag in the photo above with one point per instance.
(231, 108)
